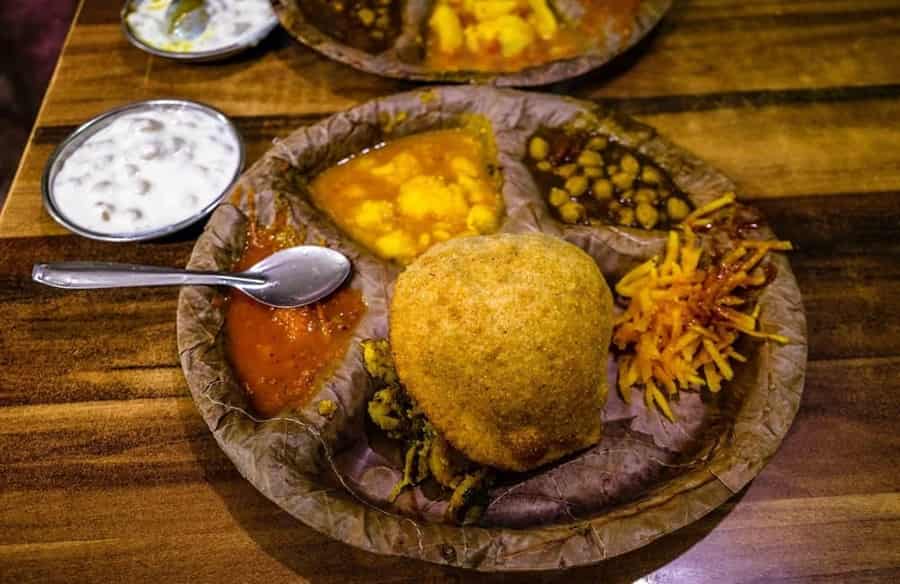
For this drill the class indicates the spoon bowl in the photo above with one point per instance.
(189, 25)
(290, 278)
(187, 19)
(323, 271)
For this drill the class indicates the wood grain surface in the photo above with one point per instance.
(108, 474)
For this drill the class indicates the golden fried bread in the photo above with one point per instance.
(502, 341)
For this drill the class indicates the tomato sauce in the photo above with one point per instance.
(281, 355)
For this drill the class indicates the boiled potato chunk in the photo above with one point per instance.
(482, 220)
(464, 167)
(543, 19)
(476, 190)
(397, 245)
(447, 27)
(375, 215)
(400, 169)
(512, 32)
(486, 10)
(427, 197)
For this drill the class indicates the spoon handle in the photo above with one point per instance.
(91, 275)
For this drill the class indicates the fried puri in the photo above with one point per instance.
(502, 342)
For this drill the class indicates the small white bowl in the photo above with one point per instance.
(88, 129)
(219, 54)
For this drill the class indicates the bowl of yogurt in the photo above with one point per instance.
(143, 171)
(232, 26)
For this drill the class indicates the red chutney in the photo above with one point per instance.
(281, 354)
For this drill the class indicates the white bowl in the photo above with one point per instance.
(88, 129)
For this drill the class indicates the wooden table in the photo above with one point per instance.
(108, 474)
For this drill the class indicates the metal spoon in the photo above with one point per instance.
(293, 277)
(187, 19)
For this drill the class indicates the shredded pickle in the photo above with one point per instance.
(686, 311)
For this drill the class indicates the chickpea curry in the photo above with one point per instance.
(280, 355)
(401, 198)
(368, 25)
(510, 35)
(588, 178)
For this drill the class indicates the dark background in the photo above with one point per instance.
(31, 36)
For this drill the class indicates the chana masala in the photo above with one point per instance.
(511, 35)
(280, 355)
(368, 25)
(589, 178)
(400, 198)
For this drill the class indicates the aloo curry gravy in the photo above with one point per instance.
(400, 198)
(511, 35)
(281, 355)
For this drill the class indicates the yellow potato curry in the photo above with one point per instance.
(401, 198)
(510, 35)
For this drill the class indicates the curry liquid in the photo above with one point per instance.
(281, 355)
